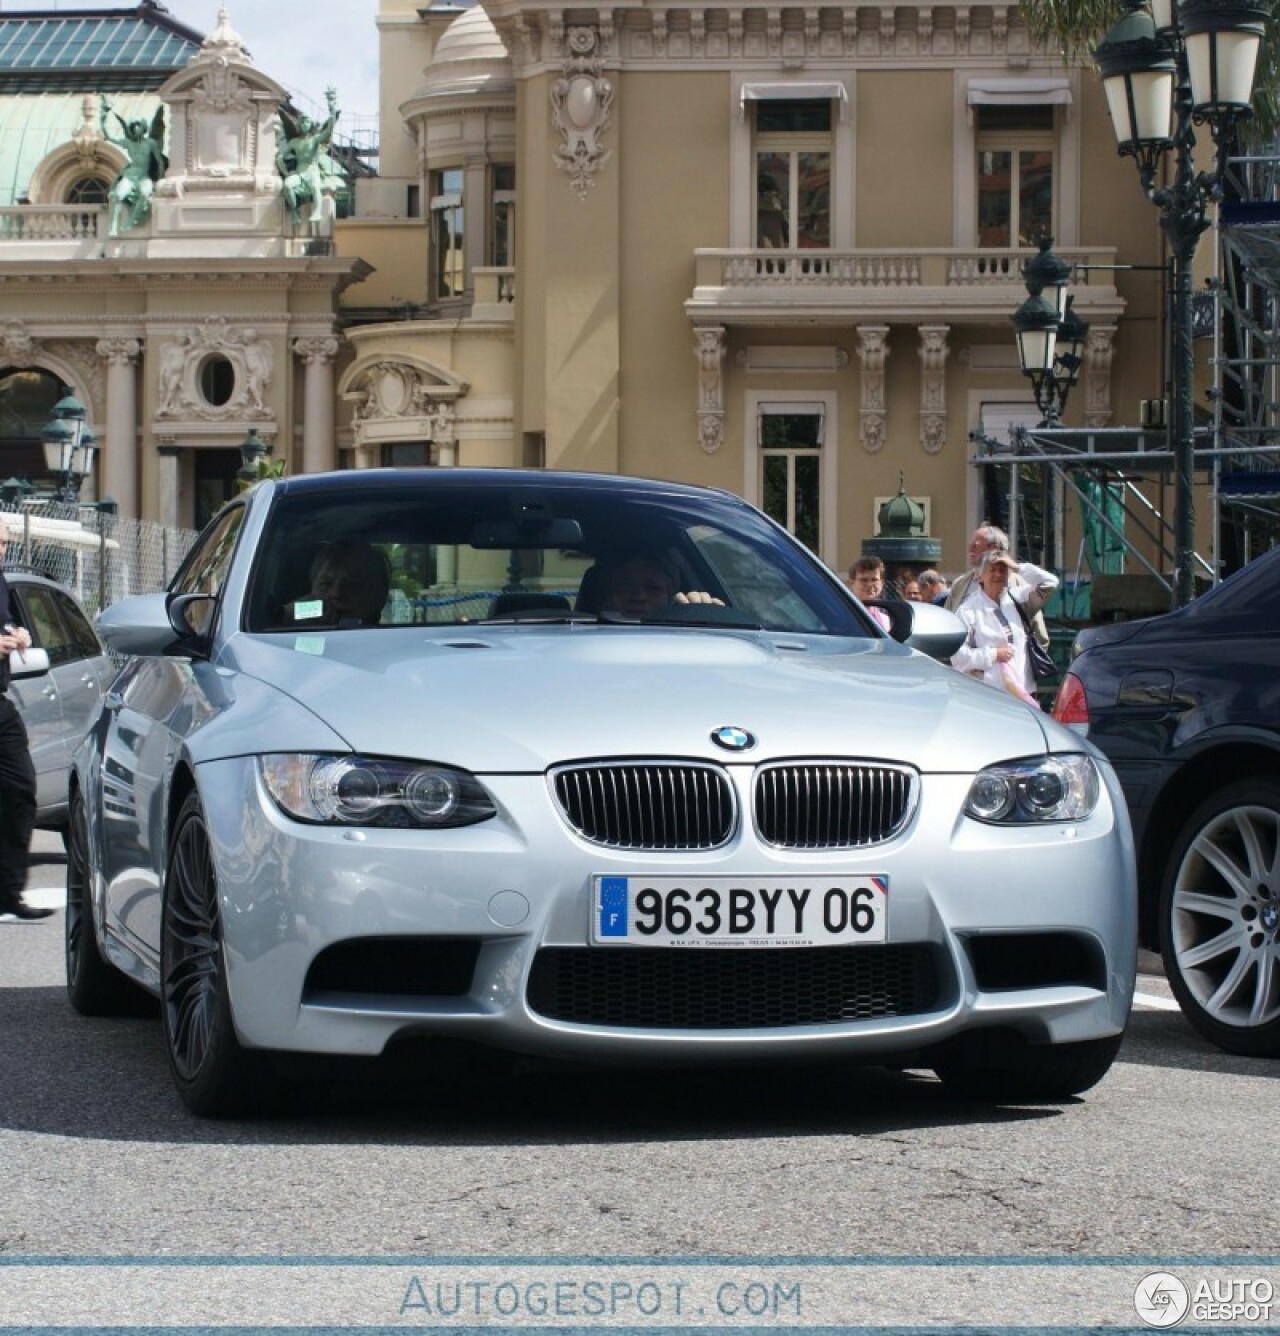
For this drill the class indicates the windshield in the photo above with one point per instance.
(434, 552)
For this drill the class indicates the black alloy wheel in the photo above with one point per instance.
(94, 988)
(215, 1076)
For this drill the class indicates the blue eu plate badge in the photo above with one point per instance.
(613, 906)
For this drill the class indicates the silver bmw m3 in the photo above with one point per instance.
(578, 765)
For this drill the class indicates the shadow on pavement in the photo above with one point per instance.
(68, 1075)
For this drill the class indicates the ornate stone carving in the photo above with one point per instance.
(710, 350)
(773, 30)
(17, 346)
(1099, 349)
(389, 391)
(933, 387)
(80, 357)
(735, 32)
(316, 349)
(698, 32)
(812, 31)
(924, 28)
(580, 102)
(118, 352)
(181, 361)
(873, 350)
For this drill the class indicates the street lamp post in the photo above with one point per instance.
(69, 446)
(1183, 61)
(252, 449)
(1050, 335)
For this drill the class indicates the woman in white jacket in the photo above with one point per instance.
(996, 647)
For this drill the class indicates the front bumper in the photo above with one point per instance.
(321, 926)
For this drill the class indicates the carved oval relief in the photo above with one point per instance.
(582, 102)
(394, 392)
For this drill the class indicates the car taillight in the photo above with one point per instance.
(1071, 705)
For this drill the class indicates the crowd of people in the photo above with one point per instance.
(999, 599)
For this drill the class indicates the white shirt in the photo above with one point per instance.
(992, 625)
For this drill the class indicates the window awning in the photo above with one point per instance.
(825, 91)
(1019, 92)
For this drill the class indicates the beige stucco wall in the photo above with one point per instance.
(663, 218)
(902, 122)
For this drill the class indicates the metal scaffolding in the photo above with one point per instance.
(1122, 478)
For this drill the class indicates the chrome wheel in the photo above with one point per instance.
(1221, 919)
(191, 948)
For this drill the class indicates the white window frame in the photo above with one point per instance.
(742, 156)
(1015, 143)
(828, 473)
(438, 205)
(1065, 144)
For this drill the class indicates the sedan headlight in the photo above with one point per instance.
(1051, 788)
(371, 791)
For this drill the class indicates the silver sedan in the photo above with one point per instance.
(579, 765)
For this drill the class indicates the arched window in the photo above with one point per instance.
(27, 397)
(87, 190)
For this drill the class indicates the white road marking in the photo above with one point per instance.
(1153, 1002)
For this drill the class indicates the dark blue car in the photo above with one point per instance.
(1187, 708)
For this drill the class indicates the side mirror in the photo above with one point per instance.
(923, 626)
(29, 663)
(191, 615)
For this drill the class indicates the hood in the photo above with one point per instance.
(523, 698)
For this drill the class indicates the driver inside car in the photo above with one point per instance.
(641, 584)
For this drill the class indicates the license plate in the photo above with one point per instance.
(740, 911)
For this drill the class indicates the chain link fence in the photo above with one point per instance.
(97, 555)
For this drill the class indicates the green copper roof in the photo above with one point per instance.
(102, 50)
(32, 127)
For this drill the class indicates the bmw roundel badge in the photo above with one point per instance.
(733, 739)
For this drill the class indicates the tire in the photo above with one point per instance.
(1001, 1069)
(214, 1074)
(94, 988)
(1220, 918)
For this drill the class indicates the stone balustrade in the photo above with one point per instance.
(52, 222)
(880, 268)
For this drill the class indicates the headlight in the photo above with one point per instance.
(369, 791)
(1054, 788)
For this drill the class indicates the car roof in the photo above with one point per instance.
(442, 479)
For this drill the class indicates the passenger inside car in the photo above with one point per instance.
(638, 583)
(350, 581)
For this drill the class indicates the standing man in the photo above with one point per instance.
(988, 538)
(17, 774)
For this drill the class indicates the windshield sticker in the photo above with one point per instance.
(306, 609)
(309, 644)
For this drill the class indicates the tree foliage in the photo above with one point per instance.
(1074, 27)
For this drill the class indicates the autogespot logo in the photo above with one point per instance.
(732, 738)
(1161, 1299)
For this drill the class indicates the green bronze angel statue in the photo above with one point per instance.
(146, 163)
(306, 167)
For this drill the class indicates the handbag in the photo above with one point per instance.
(1042, 665)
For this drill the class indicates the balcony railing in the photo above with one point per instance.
(913, 282)
(52, 222)
(877, 268)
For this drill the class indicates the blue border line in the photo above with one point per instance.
(575, 1259)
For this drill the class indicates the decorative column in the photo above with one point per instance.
(1099, 348)
(710, 354)
(317, 353)
(933, 387)
(118, 476)
(170, 478)
(873, 349)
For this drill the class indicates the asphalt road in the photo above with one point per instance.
(1173, 1153)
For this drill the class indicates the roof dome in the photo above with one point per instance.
(471, 36)
(469, 61)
